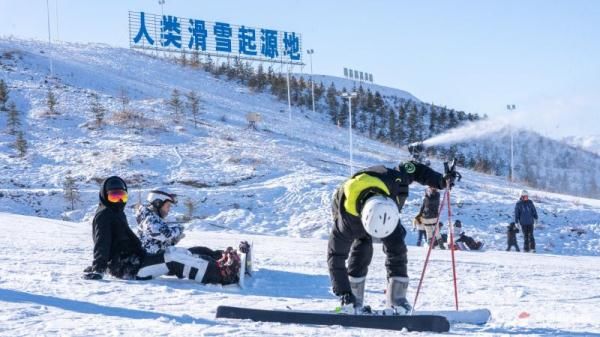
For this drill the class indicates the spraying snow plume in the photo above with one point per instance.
(469, 131)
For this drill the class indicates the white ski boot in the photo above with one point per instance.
(357, 285)
(396, 296)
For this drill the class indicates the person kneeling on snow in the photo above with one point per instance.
(157, 236)
(118, 251)
(367, 206)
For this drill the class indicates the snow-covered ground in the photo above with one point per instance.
(41, 293)
(273, 186)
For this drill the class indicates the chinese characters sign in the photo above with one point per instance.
(170, 33)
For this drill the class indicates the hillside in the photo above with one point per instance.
(588, 143)
(277, 180)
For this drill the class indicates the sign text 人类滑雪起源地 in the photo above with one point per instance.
(171, 33)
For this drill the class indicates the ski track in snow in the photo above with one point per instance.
(273, 186)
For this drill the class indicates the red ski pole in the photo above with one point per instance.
(451, 230)
(437, 228)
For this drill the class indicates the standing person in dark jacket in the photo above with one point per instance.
(118, 251)
(511, 236)
(365, 206)
(526, 217)
(429, 215)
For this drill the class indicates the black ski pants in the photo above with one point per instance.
(529, 240)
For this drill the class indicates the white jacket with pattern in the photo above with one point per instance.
(155, 234)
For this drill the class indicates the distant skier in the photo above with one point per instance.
(118, 251)
(526, 218)
(368, 206)
(429, 215)
(511, 237)
(463, 239)
(418, 225)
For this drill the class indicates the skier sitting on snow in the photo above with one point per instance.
(118, 251)
(463, 238)
(158, 237)
(365, 206)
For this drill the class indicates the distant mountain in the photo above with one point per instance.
(588, 143)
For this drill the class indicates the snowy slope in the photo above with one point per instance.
(278, 180)
(588, 143)
(41, 293)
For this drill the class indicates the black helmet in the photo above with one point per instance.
(457, 223)
(115, 183)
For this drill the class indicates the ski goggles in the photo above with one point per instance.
(117, 196)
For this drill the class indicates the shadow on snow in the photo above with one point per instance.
(15, 296)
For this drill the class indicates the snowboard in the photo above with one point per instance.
(432, 323)
(246, 266)
(473, 316)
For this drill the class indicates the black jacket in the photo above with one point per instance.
(116, 247)
(347, 205)
(525, 212)
(511, 233)
(430, 206)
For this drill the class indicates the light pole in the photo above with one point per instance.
(162, 12)
(511, 107)
(49, 41)
(350, 96)
(310, 52)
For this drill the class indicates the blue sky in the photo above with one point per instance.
(476, 56)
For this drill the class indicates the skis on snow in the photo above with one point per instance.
(433, 323)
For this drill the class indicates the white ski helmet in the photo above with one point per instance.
(380, 216)
(158, 196)
(524, 193)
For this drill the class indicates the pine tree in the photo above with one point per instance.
(452, 119)
(261, 77)
(413, 124)
(392, 126)
(123, 99)
(13, 123)
(442, 120)
(342, 117)
(402, 136)
(3, 95)
(176, 105)
(195, 59)
(433, 116)
(209, 65)
(193, 104)
(97, 110)
(70, 190)
(21, 144)
(183, 60)
(51, 102)
(332, 103)
(319, 92)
